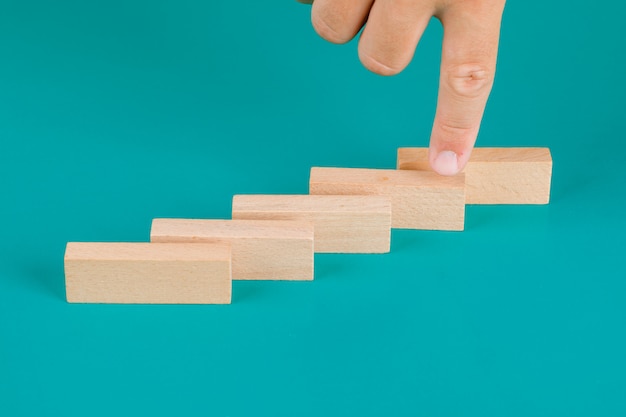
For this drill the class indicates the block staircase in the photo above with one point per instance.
(274, 237)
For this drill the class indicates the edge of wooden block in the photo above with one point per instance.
(311, 203)
(383, 177)
(148, 251)
(418, 156)
(231, 229)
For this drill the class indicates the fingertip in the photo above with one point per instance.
(451, 146)
(445, 162)
(377, 66)
(448, 162)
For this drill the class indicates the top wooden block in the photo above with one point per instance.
(148, 273)
(419, 199)
(496, 175)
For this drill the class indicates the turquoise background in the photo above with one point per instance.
(116, 112)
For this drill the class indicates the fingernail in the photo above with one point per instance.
(446, 163)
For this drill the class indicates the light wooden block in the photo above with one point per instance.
(148, 273)
(497, 175)
(343, 224)
(261, 249)
(419, 199)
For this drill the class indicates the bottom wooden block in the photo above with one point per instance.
(261, 249)
(148, 273)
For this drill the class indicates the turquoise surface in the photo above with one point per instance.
(113, 113)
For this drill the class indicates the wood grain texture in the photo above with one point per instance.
(419, 199)
(343, 224)
(497, 175)
(148, 273)
(261, 249)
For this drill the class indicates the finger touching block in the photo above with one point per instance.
(496, 175)
(261, 249)
(148, 273)
(419, 199)
(343, 224)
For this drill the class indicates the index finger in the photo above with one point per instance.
(468, 64)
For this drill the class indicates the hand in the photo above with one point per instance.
(387, 44)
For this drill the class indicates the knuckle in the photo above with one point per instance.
(454, 132)
(330, 31)
(469, 80)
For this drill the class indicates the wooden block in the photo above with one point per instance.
(343, 224)
(497, 175)
(261, 249)
(419, 199)
(148, 273)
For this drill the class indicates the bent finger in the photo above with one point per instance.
(391, 34)
(338, 21)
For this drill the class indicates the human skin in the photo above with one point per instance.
(391, 31)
